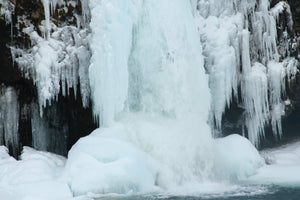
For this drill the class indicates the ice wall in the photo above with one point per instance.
(239, 44)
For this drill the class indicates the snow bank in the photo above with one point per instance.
(282, 168)
(35, 176)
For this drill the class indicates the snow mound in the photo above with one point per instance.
(102, 164)
(236, 158)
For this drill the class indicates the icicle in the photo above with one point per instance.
(9, 115)
(255, 99)
(85, 11)
(106, 71)
(46, 5)
(277, 75)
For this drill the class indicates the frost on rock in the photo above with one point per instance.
(58, 59)
(239, 44)
(6, 10)
(280, 8)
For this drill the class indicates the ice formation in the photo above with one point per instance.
(58, 59)
(239, 42)
(150, 87)
(238, 39)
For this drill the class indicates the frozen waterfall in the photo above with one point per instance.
(159, 75)
(150, 93)
(237, 46)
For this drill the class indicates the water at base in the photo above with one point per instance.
(243, 193)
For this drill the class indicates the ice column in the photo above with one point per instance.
(9, 118)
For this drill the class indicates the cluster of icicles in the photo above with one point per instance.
(239, 46)
(239, 39)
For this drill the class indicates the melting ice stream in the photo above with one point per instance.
(160, 72)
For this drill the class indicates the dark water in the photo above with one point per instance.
(265, 193)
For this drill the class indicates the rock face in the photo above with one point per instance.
(295, 7)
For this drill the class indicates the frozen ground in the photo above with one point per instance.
(283, 166)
